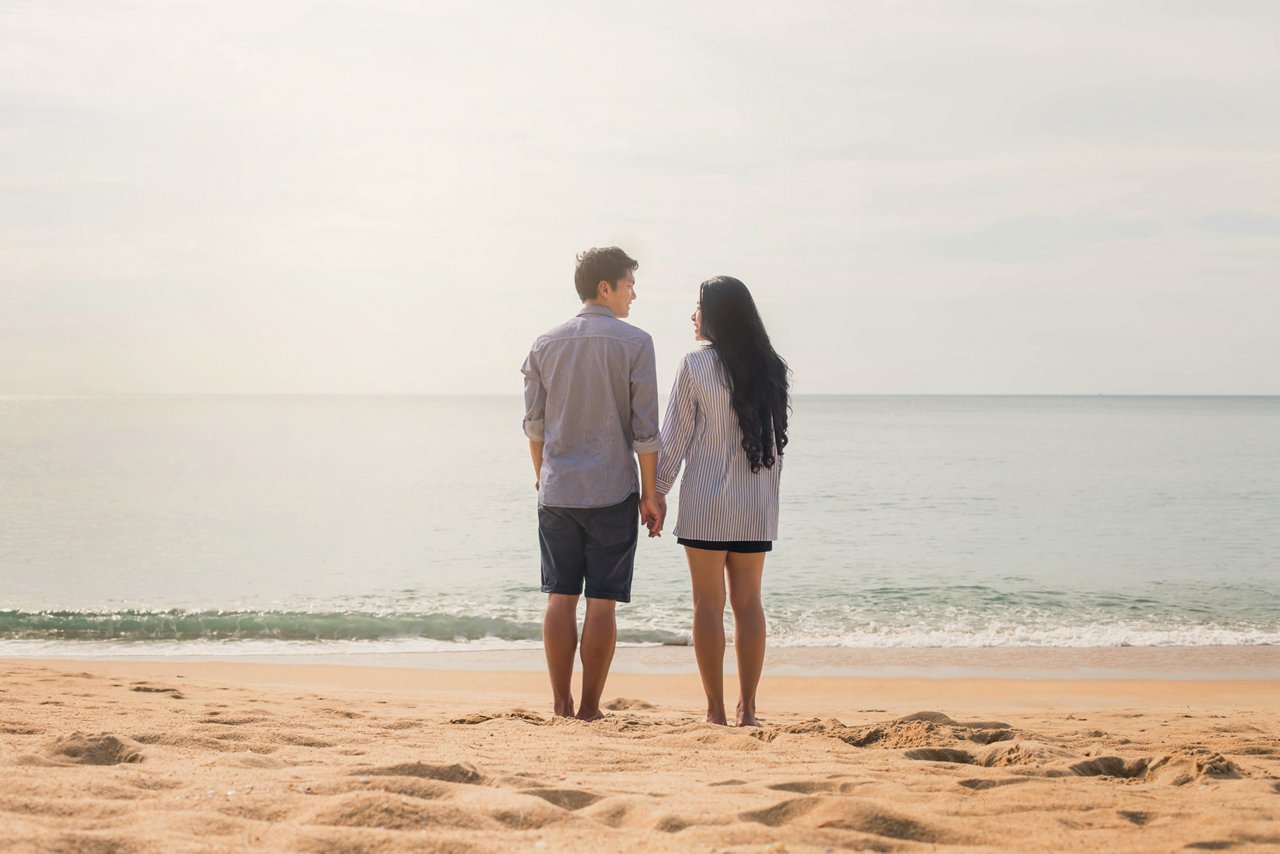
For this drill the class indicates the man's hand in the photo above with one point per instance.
(535, 453)
(653, 513)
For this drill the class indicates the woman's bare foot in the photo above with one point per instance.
(563, 708)
(747, 717)
(590, 715)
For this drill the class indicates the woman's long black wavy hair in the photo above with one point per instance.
(755, 373)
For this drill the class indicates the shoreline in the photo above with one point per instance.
(1197, 663)
(464, 690)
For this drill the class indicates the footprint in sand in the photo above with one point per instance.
(622, 703)
(412, 787)
(343, 713)
(471, 720)
(941, 754)
(569, 799)
(1177, 769)
(101, 749)
(781, 813)
(816, 787)
(300, 740)
(148, 688)
(1212, 845)
(979, 785)
(183, 740)
(514, 715)
(249, 759)
(403, 724)
(876, 821)
(458, 772)
(386, 811)
(919, 730)
(621, 811)
(1188, 765)
(8, 728)
(232, 720)
(841, 814)
(533, 816)
(677, 823)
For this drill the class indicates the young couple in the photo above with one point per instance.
(591, 407)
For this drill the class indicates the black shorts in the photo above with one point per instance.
(745, 547)
(595, 546)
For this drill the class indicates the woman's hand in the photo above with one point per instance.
(653, 513)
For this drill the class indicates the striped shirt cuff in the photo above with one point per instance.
(533, 428)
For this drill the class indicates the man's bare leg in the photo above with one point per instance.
(706, 571)
(599, 638)
(744, 571)
(560, 642)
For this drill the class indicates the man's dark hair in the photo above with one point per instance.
(598, 265)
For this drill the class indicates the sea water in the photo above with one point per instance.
(161, 525)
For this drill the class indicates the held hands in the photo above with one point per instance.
(653, 513)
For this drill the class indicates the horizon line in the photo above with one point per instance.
(124, 394)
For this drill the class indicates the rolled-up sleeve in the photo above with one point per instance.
(644, 401)
(535, 399)
(677, 428)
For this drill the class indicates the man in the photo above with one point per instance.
(591, 402)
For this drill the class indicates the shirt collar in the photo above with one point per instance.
(601, 310)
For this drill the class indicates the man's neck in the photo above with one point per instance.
(598, 304)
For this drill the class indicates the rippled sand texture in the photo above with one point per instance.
(97, 761)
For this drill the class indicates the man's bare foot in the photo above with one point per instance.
(563, 708)
(717, 717)
(589, 715)
(747, 717)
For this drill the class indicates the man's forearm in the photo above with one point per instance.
(535, 453)
(648, 475)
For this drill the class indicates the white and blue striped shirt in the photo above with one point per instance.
(720, 498)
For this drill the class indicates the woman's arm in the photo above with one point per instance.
(677, 427)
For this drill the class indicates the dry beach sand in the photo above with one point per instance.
(223, 755)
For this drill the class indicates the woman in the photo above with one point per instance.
(727, 423)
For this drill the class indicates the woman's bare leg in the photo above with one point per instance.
(706, 570)
(744, 572)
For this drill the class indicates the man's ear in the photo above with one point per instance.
(603, 290)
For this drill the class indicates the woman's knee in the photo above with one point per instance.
(708, 606)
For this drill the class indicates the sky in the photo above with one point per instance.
(387, 197)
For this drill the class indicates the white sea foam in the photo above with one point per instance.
(668, 633)
(1079, 637)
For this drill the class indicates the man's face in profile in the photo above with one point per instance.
(619, 299)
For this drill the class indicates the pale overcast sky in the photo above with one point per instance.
(950, 197)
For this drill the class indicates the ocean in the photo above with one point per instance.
(276, 525)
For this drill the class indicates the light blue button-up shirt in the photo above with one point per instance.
(591, 396)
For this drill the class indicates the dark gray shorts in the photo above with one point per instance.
(593, 545)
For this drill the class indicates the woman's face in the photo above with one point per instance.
(696, 317)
